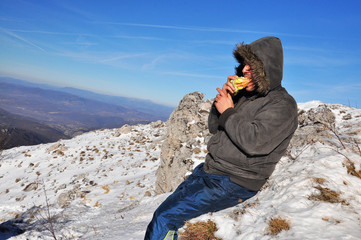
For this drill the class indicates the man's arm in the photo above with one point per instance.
(213, 119)
(222, 101)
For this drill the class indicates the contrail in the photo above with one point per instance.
(22, 39)
(192, 75)
(193, 28)
(51, 33)
(205, 29)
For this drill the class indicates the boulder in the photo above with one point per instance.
(314, 126)
(189, 121)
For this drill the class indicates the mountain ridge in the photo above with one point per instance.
(69, 113)
(144, 105)
(16, 130)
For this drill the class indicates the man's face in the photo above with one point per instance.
(247, 73)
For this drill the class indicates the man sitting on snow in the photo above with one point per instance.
(252, 130)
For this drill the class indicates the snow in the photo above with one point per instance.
(111, 176)
(308, 105)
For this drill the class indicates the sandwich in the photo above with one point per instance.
(240, 83)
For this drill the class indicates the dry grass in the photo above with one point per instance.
(319, 180)
(199, 231)
(350, 165)
(351, 169)
(237, 214)
(327, 195)
(197, 150)
(277, 225)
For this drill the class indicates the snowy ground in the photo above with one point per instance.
(100, 185)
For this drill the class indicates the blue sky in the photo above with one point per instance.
(162, 50)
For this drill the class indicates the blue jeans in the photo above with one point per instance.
(200, 193)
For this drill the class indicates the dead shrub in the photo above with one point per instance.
(349, 164)
(277, 225)
(197, 150)
(351, 169)
(237, 214)
(319, 180)
(327, 195)
(200, 231)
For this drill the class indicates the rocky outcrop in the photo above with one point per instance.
(313, 126)
(187, 129)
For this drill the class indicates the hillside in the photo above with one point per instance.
(17, 131)
(69, 113)
(162, 112)
(101, 184)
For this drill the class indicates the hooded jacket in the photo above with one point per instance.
(251, 138)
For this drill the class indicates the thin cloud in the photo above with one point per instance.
(153, 63)
(193, 75)
(118, 60)
(122, 56)
(7, 19)
(87, 34)
(205, 29)
(217, 42)
(333, 89)
(22, 39)
(191, 28)
(140, 37)
(52, 33)
(310, 49)
(319, 61)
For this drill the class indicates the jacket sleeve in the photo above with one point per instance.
(213, 119)
(262, 133)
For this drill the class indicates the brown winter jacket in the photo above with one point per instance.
(250, 138)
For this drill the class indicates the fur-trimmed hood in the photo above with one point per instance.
(265, 56)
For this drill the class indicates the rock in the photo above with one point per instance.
(123, 130)
(57, 149)
(314, 126)
(31, 187)
(147, 194)
(347, 117)
(188, 121)
(320, 115)
(67, 197)
(156, 124)
(63, 186)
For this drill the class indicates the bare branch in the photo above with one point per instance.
(333, 130)
(49, 218)
(351, 169)
(299, 154)
(358, 147)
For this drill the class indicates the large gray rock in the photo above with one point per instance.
(313, 126)
(188, 122)
(320, 115)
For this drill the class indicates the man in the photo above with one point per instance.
(252, 130)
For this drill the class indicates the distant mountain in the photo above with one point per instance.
(69, 113)
(145, 106)
(141, 105)
(17, 131)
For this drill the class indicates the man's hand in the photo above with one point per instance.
(228, 86)
(223, 100)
